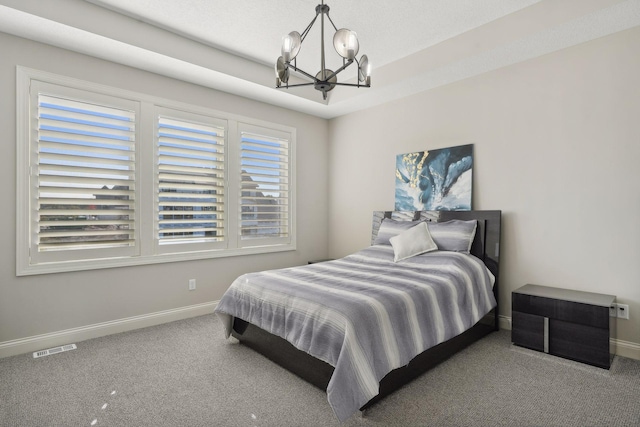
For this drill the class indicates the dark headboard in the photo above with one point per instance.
(486, 244)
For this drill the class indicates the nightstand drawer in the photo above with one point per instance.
(539, 306)
(527, 330)
(585, 314)
(579, 342)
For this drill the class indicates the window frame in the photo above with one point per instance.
(146, 183)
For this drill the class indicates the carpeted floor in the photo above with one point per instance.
(186, 374)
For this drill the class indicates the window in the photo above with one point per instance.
(191, 180)
(213, 185)
(264, 186)
(83, 175)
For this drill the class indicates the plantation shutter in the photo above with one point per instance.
(107, 177)
(191, 181)
(84, 174)
(264, 188)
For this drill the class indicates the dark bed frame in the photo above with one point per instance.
(486, 246)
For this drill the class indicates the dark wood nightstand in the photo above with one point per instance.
(566, 323)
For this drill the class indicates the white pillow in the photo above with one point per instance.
(414, 241)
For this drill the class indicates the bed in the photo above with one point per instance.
(362, 326)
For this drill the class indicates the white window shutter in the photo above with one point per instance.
(265, 188)
(191, 179)
(84, 175)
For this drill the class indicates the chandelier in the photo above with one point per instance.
(346, 45)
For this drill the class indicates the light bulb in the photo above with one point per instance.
(351, 45)
(287, 45)
(291, 46)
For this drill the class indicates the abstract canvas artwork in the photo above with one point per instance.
(435, 180)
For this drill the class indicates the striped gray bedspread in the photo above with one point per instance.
(364, 314)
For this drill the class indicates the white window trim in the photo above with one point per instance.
(146, 198)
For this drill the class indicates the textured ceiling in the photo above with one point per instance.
(387, 30)
(414, 45)
(253, 29)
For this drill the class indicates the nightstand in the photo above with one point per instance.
(566, 323)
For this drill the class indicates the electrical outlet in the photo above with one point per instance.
(613, 310)
(192, 284)
(623, 311)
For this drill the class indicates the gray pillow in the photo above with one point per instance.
(390, 228)
(455, 235)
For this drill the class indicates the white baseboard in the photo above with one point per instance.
(623, 348)
(54, 339)
(504, 322)
(627, 349)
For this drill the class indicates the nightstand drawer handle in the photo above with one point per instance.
(546, 335)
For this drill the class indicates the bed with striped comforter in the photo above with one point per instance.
(364, 314)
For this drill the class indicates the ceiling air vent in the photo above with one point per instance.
(54, 350)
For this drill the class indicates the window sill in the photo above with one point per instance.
(96, 264)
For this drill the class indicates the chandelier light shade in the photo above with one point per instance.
(346, 44)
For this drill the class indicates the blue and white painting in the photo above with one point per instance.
(435, 180)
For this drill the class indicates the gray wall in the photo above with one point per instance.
(44, 304)
(557, 145)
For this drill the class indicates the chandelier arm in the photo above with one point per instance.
(331, 20)
(301, 71)
(306, 30)
(351, 84)
(358, 71)
(338, 70)
(295, 85)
